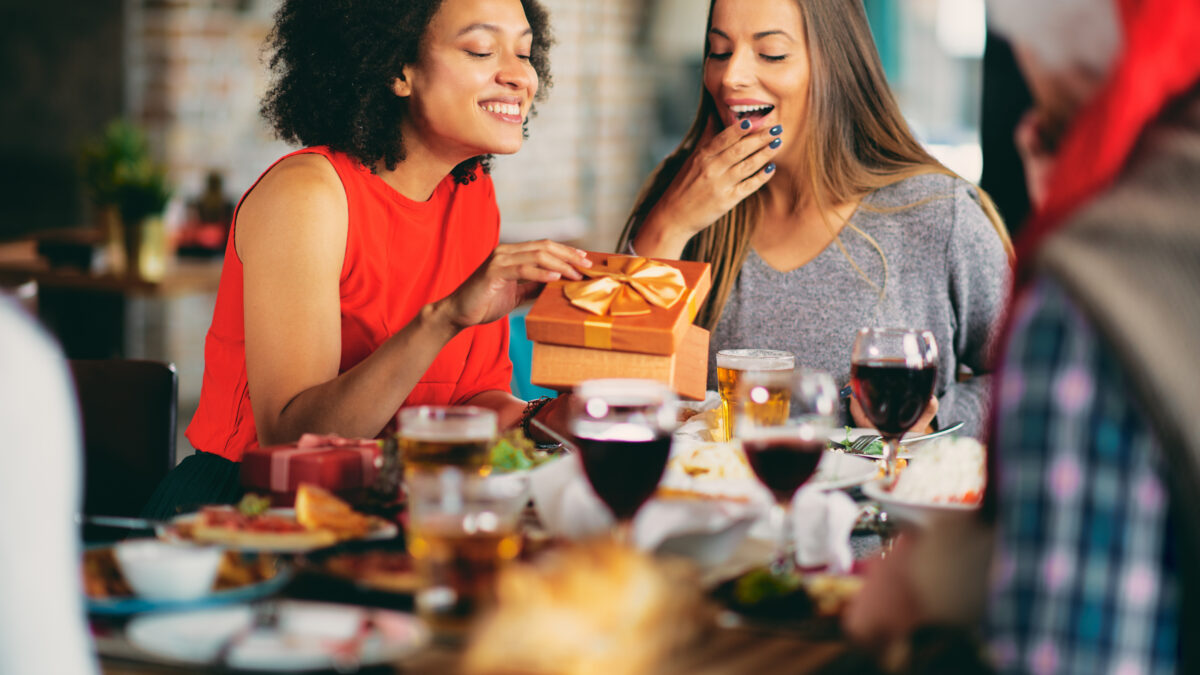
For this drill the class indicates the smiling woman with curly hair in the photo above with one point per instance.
(363, 272)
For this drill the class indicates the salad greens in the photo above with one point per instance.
(760, 585)
(514, 452)
(253, 504)
(875, 448)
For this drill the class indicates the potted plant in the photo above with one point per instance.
(130, 191)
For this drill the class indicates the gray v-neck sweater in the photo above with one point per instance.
(947, 272)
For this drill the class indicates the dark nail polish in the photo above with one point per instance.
(776, 143)
(777, 129)
(769, 168)
(745, 124)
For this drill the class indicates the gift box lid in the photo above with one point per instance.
(625, 290)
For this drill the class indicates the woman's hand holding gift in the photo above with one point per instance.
(512, 274)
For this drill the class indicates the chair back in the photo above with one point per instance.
(129, 420)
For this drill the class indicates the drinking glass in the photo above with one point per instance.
(462, 528)
(731, 365)
(785, 453)
(436, 436)
(893, 372)
(623, 429)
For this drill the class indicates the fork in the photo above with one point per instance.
(860, 444)
(265, 617)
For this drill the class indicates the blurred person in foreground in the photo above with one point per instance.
(42, 621)
(801, 183)
(1092, 491)
(363, 272)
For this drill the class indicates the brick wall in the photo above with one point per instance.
(196, 75)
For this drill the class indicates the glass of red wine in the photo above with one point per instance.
(785, 447)
(893, 372)
(623, 429)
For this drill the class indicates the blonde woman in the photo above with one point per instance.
(820, 213)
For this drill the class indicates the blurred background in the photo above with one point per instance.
(188, 75)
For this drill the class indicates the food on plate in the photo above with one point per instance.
(832, 592)
(950, 470)
(513, 451)
(102, 578)
(320, 519)
(595, 607)
(763, 594)
(391, 571)
(875, 448)
(710, 471)
(318, 509)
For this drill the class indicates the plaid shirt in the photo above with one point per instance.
(1085, 580)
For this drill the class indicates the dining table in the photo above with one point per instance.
(727, 642)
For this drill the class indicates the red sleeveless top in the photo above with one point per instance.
(400, 255)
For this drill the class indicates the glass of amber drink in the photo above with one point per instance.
(462, 529)
(732, 365)
(433, 437)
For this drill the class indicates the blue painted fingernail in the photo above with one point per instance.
(745, 124)
(777, 142)
(770, 168)
(777, 129)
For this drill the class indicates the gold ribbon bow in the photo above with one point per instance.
(627, 287)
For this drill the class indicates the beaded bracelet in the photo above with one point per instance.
(532, 409)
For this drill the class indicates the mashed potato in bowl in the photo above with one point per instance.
(946, 477)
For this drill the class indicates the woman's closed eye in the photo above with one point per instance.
(724, 56)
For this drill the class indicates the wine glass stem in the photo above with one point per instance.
(891, 448)
(622, 532)
(785, 556)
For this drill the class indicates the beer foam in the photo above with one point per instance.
(755, 359)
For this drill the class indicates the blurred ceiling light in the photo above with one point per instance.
(961, 27)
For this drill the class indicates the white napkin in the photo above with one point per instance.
(567, 507)
(822, 524)
(707, 530)
(564, 500)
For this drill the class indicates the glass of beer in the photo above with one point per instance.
(732, 365)
(462, 528)
(436, 436)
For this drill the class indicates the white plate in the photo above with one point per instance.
(380, 529)
(305, 638)
(838, 471)
(917, 513)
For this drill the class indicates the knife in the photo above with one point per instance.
(123, 522)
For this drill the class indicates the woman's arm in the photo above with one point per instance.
(291, 238)
(724, 169)
(979, 276)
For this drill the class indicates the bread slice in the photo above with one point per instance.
(319, 509)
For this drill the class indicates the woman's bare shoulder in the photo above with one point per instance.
(302, 194)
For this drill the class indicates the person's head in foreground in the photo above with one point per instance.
(1094, 462)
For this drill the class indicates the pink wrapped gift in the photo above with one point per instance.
(346, 468)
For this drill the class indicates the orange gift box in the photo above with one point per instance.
(685, 371)
(628, 304)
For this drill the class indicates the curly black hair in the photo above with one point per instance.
(334, 62)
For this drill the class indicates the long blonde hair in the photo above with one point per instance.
(856, 141)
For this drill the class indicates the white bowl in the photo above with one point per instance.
(159, 570)
(918, 513)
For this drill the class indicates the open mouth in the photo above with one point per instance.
(509, 112)
(751, 112)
